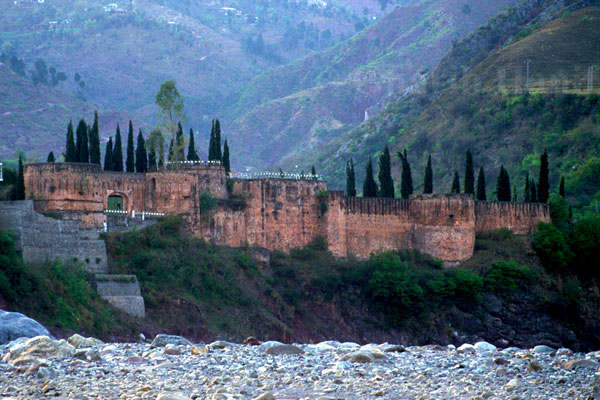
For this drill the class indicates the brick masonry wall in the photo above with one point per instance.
(520, 218)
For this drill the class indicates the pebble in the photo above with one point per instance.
(327, 371)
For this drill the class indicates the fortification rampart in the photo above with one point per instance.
(280, 214)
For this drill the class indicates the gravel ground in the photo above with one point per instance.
(174, 369)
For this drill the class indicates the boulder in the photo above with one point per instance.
(541, 349)
(162, 340)
(263, 347)
(466, 348)
(15, 325)
(38, 348)
(484, 346)
(362, 356)
(575, 364)
(79, 341)
(265, 396)
(283, 349)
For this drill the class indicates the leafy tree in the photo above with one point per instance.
(551, 247)
(369, 185)
(428, 180)
(170, 104)
(156, 144)
(543, 183)
(226, 163)
(350, 179)
(469, 174)
(386, 182)
(152, 161)
(50, 158)
(82, 142)
(559, 212)
(481, 195)
(455, 183)
(40, 72)
(95, 141)
(534, 191)
(20, 184)
(192, 155)
(503, 191)
(130, 160)
(561, 187)
(141, 159)
(527, 191)
(585, 244)
(406, 185)
(108, 155)
(71, 153)
(171, 155)
(117, 154)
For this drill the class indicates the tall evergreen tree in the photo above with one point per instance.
(369, 185)
(117, 153)
(218, 155)
(108, 155)
(455, 183)
(82, 142)
(179, 150)
(350, 179)
(503, 185)
(561, 187)
(95, 141)
(469, 174)
(313, 172)
(152, 161)
(192, 154)
(211, 142)
(406, 185)
(428, 180)
(71, 151)
(481, 195)
(515, 197)
(544, 183)
(20, 184)
(226, 163)
(386, 182)
(78, 140)
(141, 159)
(527, 190)
(171, 156)
(534, 191)
(130, 160)
(50, 157)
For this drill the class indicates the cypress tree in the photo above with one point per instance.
(561, 187)
(455, 183)
(469, 174)
(171, 156)
(534, 192)
(78, 140)
(527, 190)
(313, 172)
(406, 185)
(515, 198)
(117, 153)
(226, 162)
(369, 185)
(20, 184)
(130, 160)
(50, 157)
(428, 180)
(152, 161)
(179, 149)
(192, 155)
(386, 182)
(95, 141)
(503, 185)
(82, 142)
(108, 155)
(141, 159)
(71, 152)
(218, 155)
(543, 183)
(350, 179)
(211, 142)
(481, 195)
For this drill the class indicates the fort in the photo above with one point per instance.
(275, 213)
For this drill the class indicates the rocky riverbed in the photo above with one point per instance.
(171, 368)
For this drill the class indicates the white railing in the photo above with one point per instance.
(149, 214)
(199, 162)
(116, 212)
(276, 175)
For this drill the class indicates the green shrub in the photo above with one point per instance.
(551, 247)
(459, 284)
(507, 276)
(585, 244)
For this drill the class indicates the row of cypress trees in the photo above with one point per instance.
(84, 147)
(532, 192)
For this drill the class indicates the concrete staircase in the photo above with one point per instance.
(42, 238)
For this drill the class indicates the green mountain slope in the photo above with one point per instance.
(293, 110)
(34, 118)
(462, 107)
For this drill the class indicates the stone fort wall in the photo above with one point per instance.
(281, 213)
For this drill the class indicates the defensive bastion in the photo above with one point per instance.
(276, 213)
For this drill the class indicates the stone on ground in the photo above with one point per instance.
(162, 340)
(78, 341)
(284, 349)
(15, 325)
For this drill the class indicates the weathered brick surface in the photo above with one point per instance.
(281, 214)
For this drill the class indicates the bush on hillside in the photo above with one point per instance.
(507, 276)
(460, 284)
(585, 244)
(551, 247)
